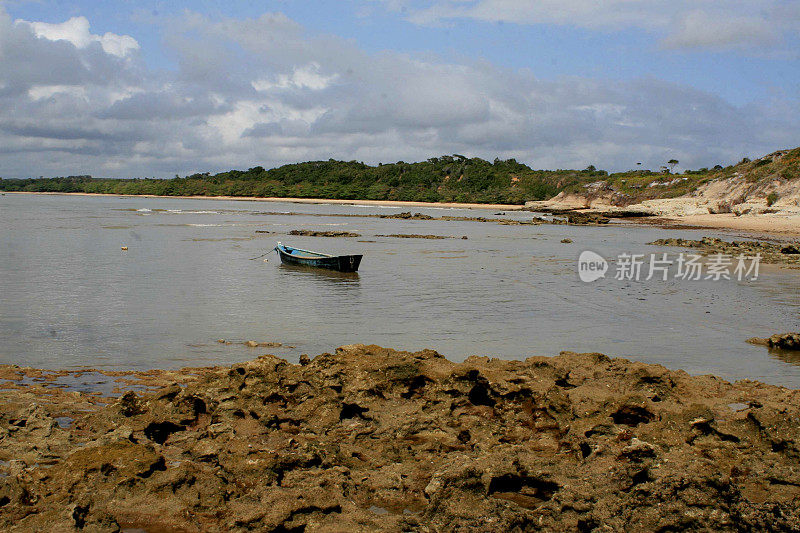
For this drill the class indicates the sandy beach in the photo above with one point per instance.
(386, 203)
(778, 225)
(769, 224)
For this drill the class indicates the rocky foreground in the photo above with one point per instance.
(373, 439)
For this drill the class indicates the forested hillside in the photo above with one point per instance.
(440, 179)
(451, 178)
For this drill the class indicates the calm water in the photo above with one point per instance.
(70, 297)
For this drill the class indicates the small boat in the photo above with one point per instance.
(297, 256)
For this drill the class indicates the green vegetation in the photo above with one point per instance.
(646, 184)
(440, 179)
(772, 198)
(672, 163)
(637, 185)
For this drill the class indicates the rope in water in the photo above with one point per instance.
(260, 256)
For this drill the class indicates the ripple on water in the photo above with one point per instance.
(70, 298)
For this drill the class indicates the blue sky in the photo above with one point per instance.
(554, 84)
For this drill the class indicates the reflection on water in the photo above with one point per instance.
(322, 274)
(787, 356)
(70, 297)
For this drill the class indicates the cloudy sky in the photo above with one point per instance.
(157, 88)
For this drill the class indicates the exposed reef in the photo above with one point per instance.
(770, 252)
(372, 439)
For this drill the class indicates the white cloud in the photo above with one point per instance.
(611, 14)
(305, 77)
(739, 24)
(39, 92)
(308, 77)
(76, 31)
(248, 114)
(263, 92)
(699, 29)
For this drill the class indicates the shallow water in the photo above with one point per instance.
(70, 297)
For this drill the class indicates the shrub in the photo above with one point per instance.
(772, 198)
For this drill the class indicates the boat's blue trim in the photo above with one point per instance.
(293, 252)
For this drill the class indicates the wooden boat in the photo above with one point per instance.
(297, 256)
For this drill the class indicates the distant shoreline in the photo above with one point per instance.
(781, 226)
(390, 203)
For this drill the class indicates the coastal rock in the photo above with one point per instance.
(129, 404)
(535, 221)
(769, 252)
(577, 218)
(252, 344)
(415, 236)
(312, 233)
(369, 438)
(792, 249)
(408, 216)
(784, 341)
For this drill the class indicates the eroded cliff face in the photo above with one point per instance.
(768, 185)
(374, 439)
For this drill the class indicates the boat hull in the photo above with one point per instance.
(340, 263)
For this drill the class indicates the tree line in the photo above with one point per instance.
(449, 178)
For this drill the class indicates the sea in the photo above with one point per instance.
(197, 271)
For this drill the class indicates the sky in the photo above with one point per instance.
(155, 88)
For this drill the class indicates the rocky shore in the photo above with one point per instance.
(417, 236)
(313, 233)
(370, 439)
(779, 341)
(770, 252)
